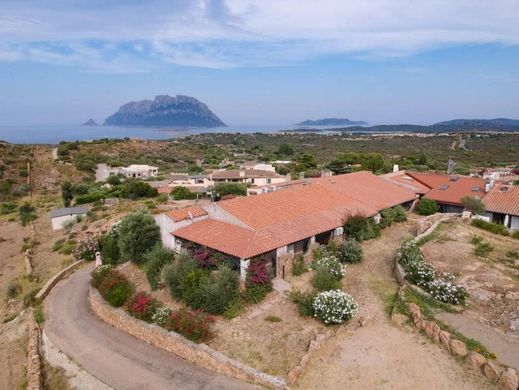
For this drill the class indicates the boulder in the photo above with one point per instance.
(398, 319)
(509, 380)
(445, 338)
(475, 360)
(304, 360)
(491, 370)
(458, 348)
(428, 328)
(294, 374)
(436, 333)
(414, 310)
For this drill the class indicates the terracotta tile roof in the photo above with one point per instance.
(503, 199)
(182, 214)
(279, 218)
(246, 173)
(450, 189)
(164, 190)
(401, 178)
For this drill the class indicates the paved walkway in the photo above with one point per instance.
(114, 357)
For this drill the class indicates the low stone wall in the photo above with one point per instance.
(47, 287)
(427, 225)
(506, 377)
(199, 354)
(33, 353)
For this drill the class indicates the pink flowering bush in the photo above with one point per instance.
(86, 249)
(142, 306)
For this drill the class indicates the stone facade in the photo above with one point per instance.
(199, 354)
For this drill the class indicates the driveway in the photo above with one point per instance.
(114, 357)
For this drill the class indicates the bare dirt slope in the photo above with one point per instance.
(380, 355)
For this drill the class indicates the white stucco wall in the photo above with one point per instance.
(60, 222)
(485, 216)
(515, 223)
(168, 226)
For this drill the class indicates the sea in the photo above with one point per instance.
(48, 134)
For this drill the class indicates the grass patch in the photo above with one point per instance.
(38, 314)
(434, 235)
(426, 304)
(54, 378)
(273, 319)
(235, 308)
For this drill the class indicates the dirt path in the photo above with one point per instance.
(381, 355)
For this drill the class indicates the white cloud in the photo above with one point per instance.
(122, 36)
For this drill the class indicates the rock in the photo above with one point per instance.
(294, 374)
(398, 319)
(428, 328)
(476, 360)
(514, 295)
(413, 308)
(313, 346)
(491, 370)
(320, 337)
(436, 333)
(458, 348)
(304, 360)
(418, 323)
(445, 338)
(509, 380)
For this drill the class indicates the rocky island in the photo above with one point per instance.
(90, 122)
(164, 110)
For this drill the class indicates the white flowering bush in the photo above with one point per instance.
(86, 249)
(331, 264)
(161, 315)
(445, 291)
(334, 307)
(423, 274)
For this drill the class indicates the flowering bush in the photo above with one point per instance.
(334, 307)
(204, 258)
(423, 274)
(99, 274)
(331, 264)
(160, 316)
(86, 249)
(257, 273)
(115, 288)
(194, 325)
(142, 306)
(443, 290)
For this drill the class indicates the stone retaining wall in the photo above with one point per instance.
(47, 287)
(199, 354)
(33, 353)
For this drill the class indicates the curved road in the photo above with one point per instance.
(114, 357)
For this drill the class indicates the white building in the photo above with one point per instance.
(61, 217)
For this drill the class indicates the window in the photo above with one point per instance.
(444, 187)
(475, 189)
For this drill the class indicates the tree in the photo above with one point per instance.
(138, 233)
(225, 188)
(373, 161)
(180, 192)
(138, 189)
(66, 193)
(285, 150)
(113, 180)
(110, 252)
(307, 161)
(156, 258)
(426, 207)
(473, 204)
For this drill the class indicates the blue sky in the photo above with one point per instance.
(261, 62)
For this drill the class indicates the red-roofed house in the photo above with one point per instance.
(502, 205)
(281, 224)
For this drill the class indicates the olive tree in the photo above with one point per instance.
(138, 233)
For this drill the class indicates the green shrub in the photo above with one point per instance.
(483, 249)
(323, 280)
(256, 293)
(138, 189)
(8, 208)
(227, 188)
(235, 308)
(110, 252)
(13, 289)
(490, 227)
(190, 287)
(58, 244)
(27, 213)
(515, 235)
(162, 198)
(39, 317)
(91, 197)
(68, 247)
(476, 239)
(400, 214)
(99, 274)
(512, 254)
(138, 233)
(360, 228)
(180, 192)
(426, 207)
(155, 259)
(304, 302)
(350, 251)
(473, 204)
(299, 266)
(387, 217)
(272, 319)
(218, 290)
(85, 163)
(176, 272)
(115, 288)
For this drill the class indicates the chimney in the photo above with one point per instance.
(242, 173)
(396, 168)
(489, 184)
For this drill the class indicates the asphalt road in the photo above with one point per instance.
(116, 358)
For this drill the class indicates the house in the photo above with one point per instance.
(257, 166)
(139, 171)
(255, 177)
(282, 224)
(61, 217)
(447, 191)
(502, 205)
